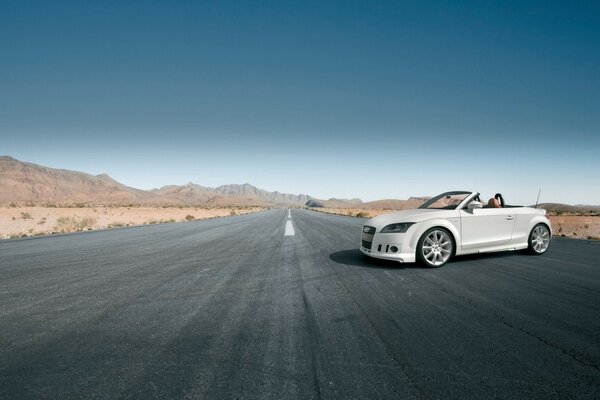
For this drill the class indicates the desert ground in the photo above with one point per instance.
(573, 226)
(37, 221)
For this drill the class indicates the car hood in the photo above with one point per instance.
(416, 215)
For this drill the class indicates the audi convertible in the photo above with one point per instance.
(452, 224)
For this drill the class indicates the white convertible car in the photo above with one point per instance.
(455, 223)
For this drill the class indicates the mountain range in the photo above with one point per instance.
(27, 183)
(23, 182)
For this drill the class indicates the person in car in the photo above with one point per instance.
(493, 203)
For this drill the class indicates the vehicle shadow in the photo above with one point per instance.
(355, 258)
(469, 258)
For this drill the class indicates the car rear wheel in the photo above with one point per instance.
(435, 248)
(539, 239)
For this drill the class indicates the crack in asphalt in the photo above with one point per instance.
(546, 342)
(549, 344)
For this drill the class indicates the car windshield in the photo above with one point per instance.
(445, 201)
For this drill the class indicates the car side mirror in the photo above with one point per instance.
(474, 205)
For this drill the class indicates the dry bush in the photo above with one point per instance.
(25, 215)
(189, 217)
(73, 224)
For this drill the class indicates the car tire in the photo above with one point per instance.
(435, 247)
(539, 239)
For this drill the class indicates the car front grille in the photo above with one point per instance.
(367, 236)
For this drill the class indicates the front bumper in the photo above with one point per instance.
(400, 257)
(383, 245)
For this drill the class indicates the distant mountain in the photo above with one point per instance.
(557, 208)
(253, 192)
(26, 182)
(193, 194)
(22, 182)
(232, 194)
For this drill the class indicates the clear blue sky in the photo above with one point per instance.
(332, 99)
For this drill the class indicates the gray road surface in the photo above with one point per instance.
(231, 308)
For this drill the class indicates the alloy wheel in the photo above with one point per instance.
(540, 239)
(437, 247)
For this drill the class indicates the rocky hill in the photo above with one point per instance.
(566, 209)
(26, 183)
(251, 192)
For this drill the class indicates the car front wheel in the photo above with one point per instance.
(539, 239)
(435, 248)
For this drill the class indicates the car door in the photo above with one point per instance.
(486, 227)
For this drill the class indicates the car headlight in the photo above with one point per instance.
(397, 228)
(368, 229)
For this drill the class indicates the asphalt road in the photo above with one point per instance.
(231, 308)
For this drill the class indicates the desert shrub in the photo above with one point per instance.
(72, 224)
(116, 225)
(593, 237)
(25, 215)
(189, 217)
(13, 204)
(232, 212)
(362, 214)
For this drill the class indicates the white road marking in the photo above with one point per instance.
(289, 229)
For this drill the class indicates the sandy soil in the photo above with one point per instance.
(36, 221)
(574, 226)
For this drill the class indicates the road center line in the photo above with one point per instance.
(289, 229)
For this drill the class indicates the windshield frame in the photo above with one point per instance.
(468, 196)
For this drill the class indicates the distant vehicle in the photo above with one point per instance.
(455, 223)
